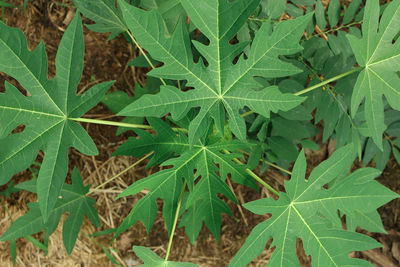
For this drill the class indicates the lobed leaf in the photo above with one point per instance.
(379, 53)
(46, 111)
(107, 16)
(198, 162)
(151, 259)
(309, 211)
(221, 87)
(72, 199)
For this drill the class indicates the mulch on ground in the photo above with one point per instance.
(104, 61)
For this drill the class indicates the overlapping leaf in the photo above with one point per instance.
(151, 259)
(221, 87)
(309, 211)
(167, 184)
(46, 111)
(107, 16)
(72, 199)
(379, 53)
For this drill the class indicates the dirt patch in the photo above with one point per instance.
(104, 61)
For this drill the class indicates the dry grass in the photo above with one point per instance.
(45, 20)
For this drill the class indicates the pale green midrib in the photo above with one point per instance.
(69, 203)
(32, 75)
(72, 131)
(261, 100)
(28, 225)
(75, 218)
(265, 230)
(53, 169)
(222, 159)
(309, 186)
(314, 235)
(173, 173)
(175, 59)
(107, 7)
(284, 237)
(32, 111)
(209, 186)
(383, 33)
(382, 60)
(337, 198)
(205, 114)
(204, 23)
(170, 7)
(376, 131)
(68, 81)
(219, 53)
(31, 141)
(255, 62)
(368, 219)
(218, 39)
(166, 143)
(143, 107)
(388, 85)
(109, 21)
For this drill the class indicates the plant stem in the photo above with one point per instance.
(121, 124)
(178, 207)
(143, 53)
(336, 29)
(328, 81)
(261, 181)
(269, 163)
(308, 89)
(121, 173)
(254, 176)
(246, 113)
(113, 123)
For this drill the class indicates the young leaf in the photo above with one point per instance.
(46, 112)
(307, 209)
(151, 259)
(170, 10)
(108, 18)
(167, 184)
(166, 143)
(379, 54)
(72, 199)
(221, 87)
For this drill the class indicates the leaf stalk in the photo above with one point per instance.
(122, 124)
(178, 207)
(302, 92)
(254, 176)
(144, 54)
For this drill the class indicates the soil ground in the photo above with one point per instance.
(104, 61)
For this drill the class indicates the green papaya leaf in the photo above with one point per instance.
(219, 87)
(379, 55)
(151, 259)
(46, 112)
(107, 16)
(309, 211)
(72, 199)
(167, 184)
